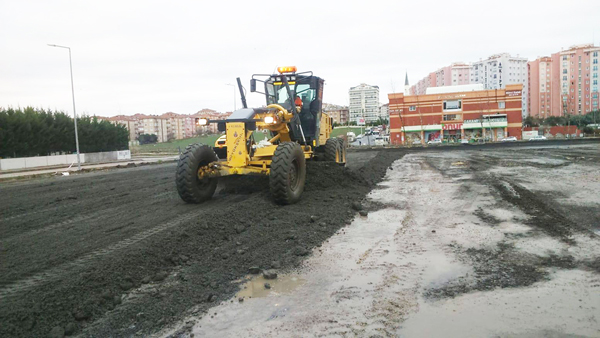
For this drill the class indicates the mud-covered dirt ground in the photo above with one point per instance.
(480, 242)
(117, 253)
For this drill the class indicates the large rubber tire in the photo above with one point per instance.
(332, 150)
(288, 173)
(190, 188)
(342, 148)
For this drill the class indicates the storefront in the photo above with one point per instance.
(451, 132)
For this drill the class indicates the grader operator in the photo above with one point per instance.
(297, 132)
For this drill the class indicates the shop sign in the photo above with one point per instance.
(513, 93)
(452, 126)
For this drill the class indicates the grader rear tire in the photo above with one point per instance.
(191, 189)
(288, 173)
(332, 150)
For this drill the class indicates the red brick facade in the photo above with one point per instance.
(486, 114)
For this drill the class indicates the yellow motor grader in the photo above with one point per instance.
(298, 131)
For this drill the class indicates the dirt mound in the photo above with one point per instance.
(129, 257)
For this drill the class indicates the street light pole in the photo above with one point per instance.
(234, 106)
(74, 112)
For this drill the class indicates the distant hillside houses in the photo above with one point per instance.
(168, 126)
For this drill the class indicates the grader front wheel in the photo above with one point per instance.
(190, 188)
(288, 173)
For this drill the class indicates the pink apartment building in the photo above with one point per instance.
(453, 75)
(565, 83)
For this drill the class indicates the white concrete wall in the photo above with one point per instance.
(57, 160)
(12, 163)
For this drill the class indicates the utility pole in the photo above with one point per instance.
(74, 112)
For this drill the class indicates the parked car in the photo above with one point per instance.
(538, 138)
(351, 136)
(510, 139)
(379, 141)
(464, 141)
(436, 141)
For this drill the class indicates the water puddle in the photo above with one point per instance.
(255, 287)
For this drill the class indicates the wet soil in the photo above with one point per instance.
(119, 254)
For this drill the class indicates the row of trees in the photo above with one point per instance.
(581, 121)
(39, 132)
(148, 138)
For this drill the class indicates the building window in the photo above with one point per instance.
(451, 117)
(452, 105)
(412, 108)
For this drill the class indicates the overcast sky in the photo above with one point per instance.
(154, 57)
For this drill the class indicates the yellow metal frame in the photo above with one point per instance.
(239, 161)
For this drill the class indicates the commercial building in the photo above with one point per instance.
(454, 115)
(364, 104)
(565, 83)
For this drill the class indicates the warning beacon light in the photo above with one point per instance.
(291, 69)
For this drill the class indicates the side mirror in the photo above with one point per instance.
(252, 85)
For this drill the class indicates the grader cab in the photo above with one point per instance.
(297, 131)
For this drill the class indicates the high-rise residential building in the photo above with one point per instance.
(578, 79)
(500, 70)
(384, 111)
(364, 103)
(565, 83)
(542, 77)
(495, 72)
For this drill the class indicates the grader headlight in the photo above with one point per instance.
(269, 119)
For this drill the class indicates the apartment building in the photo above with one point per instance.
(384, 111)
(578, 79)
(565, 83)
(543, 88)
(500, 70)
(495, 72)
(456, 74)
(339, 114)
(364, 103)
(128, 122)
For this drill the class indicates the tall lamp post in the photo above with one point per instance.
(229, 84)
(74, 112)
